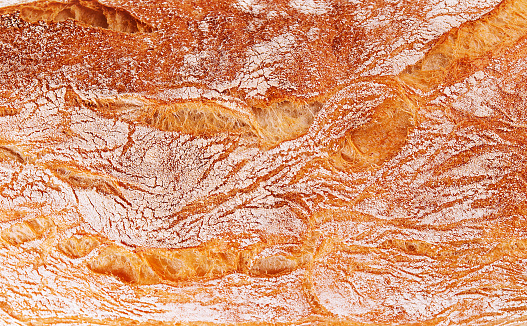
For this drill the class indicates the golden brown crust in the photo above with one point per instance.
(267, 162)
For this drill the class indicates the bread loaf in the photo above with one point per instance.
(260, 162)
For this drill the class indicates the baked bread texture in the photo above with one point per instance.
(261, 162)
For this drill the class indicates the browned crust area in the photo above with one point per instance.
(88, 13)
(353, 132)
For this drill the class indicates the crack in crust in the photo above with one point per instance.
(462, 50)
(368, 123)
(78, 246)
(272, 123)
(91, 13)
(26, 231)
(211, 260)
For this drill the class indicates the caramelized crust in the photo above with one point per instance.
(263, 162)
(89, 13)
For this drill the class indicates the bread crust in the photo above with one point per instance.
(271, 162)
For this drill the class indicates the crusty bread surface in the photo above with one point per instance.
(263, 162)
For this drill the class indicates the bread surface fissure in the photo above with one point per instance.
(91, 13)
